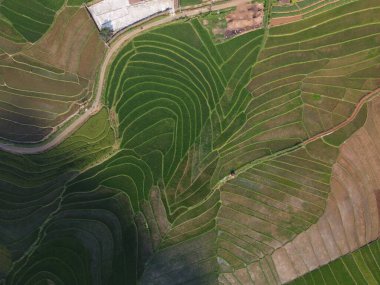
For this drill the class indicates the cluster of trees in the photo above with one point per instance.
(106, 31)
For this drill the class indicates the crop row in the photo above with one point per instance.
(307, 8)
(326, 67)
(300, 88)
(189, 113)
(30, 186)
(283, 199)
(166, 90)
(271, 203)
(49, 82)
(359, 267)
(31, 20)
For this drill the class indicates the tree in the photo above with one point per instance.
(106, 31)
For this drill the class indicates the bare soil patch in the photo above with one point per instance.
(246, 17)
(352, 215)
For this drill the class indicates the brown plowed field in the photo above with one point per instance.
(72, 44)
(55, 75)
(289, 19)
(285, 20)
(351, 218)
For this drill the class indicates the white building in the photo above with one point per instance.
(118, 14)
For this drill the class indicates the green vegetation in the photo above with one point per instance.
(8, 32)
(271, 203)
(31, 185)
(184, 3)
(309, 60)
(301, 88)
(216, 23)
(106, 33)
(76, 2)
(359, 267)
(31, 20)
(159, 203)
(307, 8)
(46, 83)
(175, 111)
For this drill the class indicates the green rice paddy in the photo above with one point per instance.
(142, 193)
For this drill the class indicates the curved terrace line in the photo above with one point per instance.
(341, 125)
(111, 52)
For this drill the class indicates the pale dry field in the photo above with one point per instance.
(351, 218)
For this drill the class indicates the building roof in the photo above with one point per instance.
(118, 14)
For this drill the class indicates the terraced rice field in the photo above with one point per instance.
(31, 186)
(43, 84)
(206, 164)
(287, 13)
(351, 217)
(32, 20)
(327, 65)
(359, 267)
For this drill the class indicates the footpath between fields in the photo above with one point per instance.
(114, 47)
(285, 151)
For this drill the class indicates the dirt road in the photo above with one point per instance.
(111, 52)
(249, 165)
(357, 109)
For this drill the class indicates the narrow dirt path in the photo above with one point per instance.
(111, 52)
(357, 109)
(249, 165)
